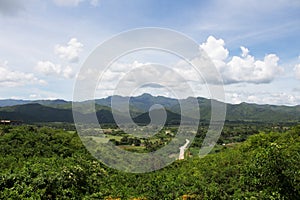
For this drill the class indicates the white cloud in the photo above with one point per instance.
(10, 78)
(234, 98)
(42, 95)
(263, 97)
(244, 68)
(245, 51)
(68, 72)
(137, 77)
(70, 52)
(73, 3)
(248, 69)
(215, 50)
(297, 71)
(50, 69)
(34, 96)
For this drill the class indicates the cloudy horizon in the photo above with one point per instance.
(254, 45)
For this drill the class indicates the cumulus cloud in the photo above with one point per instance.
(215, 50)
(50, 69)
(10, 78)
(73, 3)
(69, 52)
(248, 69)
(297, 71)
(245, 51)
(125, 78)
(68, 72)
(276, 98)
(244, 68)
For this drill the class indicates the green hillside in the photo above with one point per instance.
(43, 163)
(60, 111)
(36, 113)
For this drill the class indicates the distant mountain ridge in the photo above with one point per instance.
(15, 102)
(61, 111)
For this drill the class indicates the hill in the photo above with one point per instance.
(45, 163)
(61, 111)
(35, 112)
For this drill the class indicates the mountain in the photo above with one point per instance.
(268, 113)
(14, 102)
(145, 101)
(140, 103)
(61, 111)
(35, 112)
(172, 118)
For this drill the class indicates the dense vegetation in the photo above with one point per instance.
(46, 163)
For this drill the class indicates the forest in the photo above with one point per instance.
(50, 162)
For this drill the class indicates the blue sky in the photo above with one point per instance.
(44, 43)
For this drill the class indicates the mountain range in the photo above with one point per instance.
(61, 110)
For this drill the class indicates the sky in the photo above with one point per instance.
(254, 45)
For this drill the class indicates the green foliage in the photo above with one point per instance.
(45, 163)
(272, 168)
